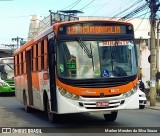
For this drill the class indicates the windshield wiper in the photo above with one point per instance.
(86, 50)
(10, 66)
(83, 46)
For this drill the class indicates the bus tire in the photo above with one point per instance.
(141, 106)
(111, 117)
(54, 118)
(26, 108)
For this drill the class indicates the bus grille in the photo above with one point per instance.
(11, 83)
(92, 105)
(100, 96)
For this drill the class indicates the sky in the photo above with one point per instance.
(15, 15)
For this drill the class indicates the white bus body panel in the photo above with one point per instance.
(21, 86)
(66, 105)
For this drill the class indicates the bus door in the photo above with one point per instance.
(51, 62)
(29, 76)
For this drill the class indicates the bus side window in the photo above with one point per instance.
(35, 56)
(42, 54)
(24, 62)
(45, 54)
(32, 58)
(18, 64)
(39, 57)
(15, 65)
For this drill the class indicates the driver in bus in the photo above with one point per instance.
(106, 58)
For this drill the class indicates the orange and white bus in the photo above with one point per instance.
(79, 67)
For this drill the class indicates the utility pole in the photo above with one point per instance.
(158, 67)
(18, 40)
(153, 70)
(50, 11)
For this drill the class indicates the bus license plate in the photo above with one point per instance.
(102, 104)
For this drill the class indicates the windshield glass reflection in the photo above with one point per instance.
(96, 59)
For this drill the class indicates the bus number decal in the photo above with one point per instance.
(72, 30)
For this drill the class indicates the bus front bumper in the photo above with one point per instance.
(96, 105)
(6, 90)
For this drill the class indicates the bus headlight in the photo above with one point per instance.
(131, 92)
(67, 94)
(63, 92)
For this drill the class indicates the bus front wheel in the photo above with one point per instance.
(52, 116)
(141, 106)
(111, 117)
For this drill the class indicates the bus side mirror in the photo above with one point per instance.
(51, 39)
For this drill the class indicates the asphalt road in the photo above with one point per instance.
(12, 114)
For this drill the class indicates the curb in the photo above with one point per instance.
(153, 108)
(157, 107)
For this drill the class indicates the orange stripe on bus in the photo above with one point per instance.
(98, 91)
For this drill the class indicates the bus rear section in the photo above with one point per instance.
(88, 67)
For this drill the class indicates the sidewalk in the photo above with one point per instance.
(157, 107)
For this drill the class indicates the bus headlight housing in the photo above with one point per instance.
(67, 94)
(131, 92)
(143, 95)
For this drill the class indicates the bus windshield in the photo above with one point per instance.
(96, 59)
(6, 71)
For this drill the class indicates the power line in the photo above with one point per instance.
(101, 6)
(75, 4)
(137, 16)
(146, 27)
(111, 13)
(135, 3)
(87, 4)
(97, 5)
(71, 4)
(134, 12)
(141, 22)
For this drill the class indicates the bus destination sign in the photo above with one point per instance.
(77, 29)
